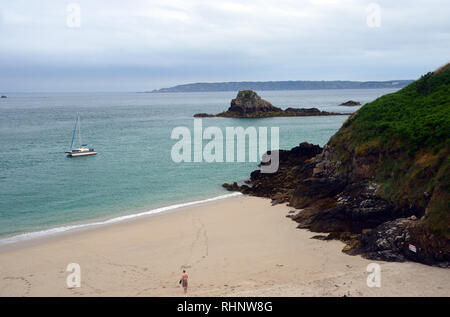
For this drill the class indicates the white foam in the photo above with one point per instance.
(48, 232)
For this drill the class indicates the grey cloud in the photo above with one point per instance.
(148, 44)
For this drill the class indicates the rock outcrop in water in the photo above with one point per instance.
(381, 184)
(248, 101)
(350, 103)
(281, 185)
(248, 104)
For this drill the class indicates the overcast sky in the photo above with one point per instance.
(139, 45)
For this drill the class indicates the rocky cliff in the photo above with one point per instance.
(382, 182)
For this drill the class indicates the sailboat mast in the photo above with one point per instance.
(73, 134)
(79, 129)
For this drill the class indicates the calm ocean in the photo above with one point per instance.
(40, 188)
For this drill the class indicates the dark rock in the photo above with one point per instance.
(248, 101)
(280, 197)
(343, 207)
(248, 104)
(350, 103)
(311, 189)
(279, 186)
(305, 110)
(308, 112)
(3, 96)
(203, 115)
(231, 187)
(387, 242)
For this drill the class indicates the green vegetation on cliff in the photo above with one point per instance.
(419, 114)
(402, 140)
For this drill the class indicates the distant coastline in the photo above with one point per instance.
(282, 85)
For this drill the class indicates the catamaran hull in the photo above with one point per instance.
(81, 154)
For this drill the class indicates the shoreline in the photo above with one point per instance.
(17, 240)
(230, 247)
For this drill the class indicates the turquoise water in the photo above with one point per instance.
(41, 188)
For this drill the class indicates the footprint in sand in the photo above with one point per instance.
(17, 284)
(199, 248)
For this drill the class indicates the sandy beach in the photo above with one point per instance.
(239, 246)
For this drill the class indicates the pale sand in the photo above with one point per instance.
(235, 247)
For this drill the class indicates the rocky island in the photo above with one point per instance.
(248, 104)
(381, 183)
(350, 103)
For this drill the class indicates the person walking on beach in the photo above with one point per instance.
(184, 281)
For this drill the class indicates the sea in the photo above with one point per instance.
(43, 192)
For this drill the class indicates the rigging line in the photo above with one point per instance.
(73, 134)
(79, 130)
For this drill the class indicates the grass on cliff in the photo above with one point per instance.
(418, 115)
(407, 135)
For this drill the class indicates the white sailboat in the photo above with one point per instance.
(82, 149)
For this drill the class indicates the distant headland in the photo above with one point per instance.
(283, 85)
